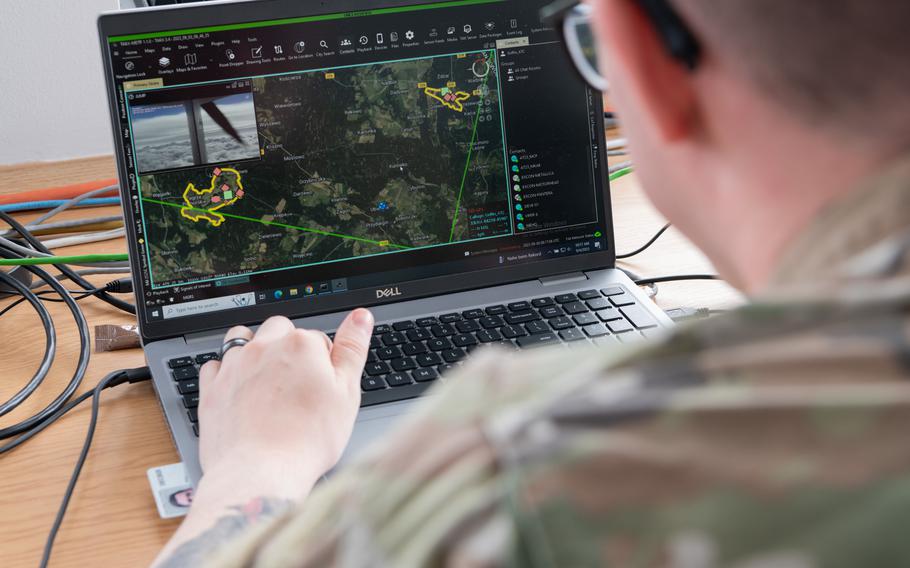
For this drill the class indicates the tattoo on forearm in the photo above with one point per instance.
(194, 552)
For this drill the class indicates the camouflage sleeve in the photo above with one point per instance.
(692, 453)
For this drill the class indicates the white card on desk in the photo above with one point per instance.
(172, 490)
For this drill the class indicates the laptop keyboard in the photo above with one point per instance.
(407, 357)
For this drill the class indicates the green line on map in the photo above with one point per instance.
(282, 225)
(467, 164)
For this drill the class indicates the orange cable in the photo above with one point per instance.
(60, 192)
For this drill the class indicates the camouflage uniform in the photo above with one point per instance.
(777, 436)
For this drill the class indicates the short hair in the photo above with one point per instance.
(841, 62)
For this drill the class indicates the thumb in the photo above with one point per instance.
(352, 344)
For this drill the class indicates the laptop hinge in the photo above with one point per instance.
(564, 279)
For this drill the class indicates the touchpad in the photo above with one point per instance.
(374, 425)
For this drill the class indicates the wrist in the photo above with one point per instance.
(236, 481)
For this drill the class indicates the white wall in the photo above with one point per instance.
(52, 97)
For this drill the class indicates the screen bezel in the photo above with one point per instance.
(179, 17)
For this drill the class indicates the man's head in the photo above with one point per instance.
(792, 103)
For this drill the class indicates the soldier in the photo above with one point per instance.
(775, 134)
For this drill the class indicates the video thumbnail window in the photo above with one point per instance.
(175, 129)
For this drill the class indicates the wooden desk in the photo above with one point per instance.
(112, 519)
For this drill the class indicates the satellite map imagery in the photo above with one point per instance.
(352, 162)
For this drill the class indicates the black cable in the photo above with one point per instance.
(71, 274)
(678, 278)
(50, 421)
(647, 245)
(111, 380)
(50, 346)
(81, 365)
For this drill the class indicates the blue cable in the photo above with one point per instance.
(51, 204)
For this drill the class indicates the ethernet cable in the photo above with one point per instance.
(32, 205)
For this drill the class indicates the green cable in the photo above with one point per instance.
(621, 173)
(88, 258)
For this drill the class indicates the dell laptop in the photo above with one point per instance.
(438, 162)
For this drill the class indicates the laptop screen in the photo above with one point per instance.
(291, 160)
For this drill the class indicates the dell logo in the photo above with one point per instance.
(388, 293)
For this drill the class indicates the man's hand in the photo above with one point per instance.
(283, 405)
(274, 416)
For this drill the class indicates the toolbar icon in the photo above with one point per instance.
(129, 65)
(256, 52)
(230, 55)
(300, 46)
(164, 62)
(409, 35)
(393, 36)
(380, 39)
(364, 40)
(278, 50)
(468, 28)
(189, 59)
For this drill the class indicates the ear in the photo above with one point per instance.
(640, 68)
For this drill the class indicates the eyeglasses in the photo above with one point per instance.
(573, 19)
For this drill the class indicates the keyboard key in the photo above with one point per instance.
(598, 330)
(412, 349)
(425, 375)
(473, 314)
(566, 298)
(571, 335)
(620, 326)
(426, 322)
(489, 336)
(494, 322)
(521, 317)
(539, 340)
(439, 344)
(206, 357)
(599, 304)
(371, 357)
(419, 335)
(606, 341)
(537, 327)
(404, 364)
(574, 308)
(450, 318)
(613, 291)
(370, 384)
(180, 362)
(519, 306)
(551, 312)
(468, 326)
(376, 369)
(394, 338)
(393, 395)
(192, 414)
(191, 400)
(187, 387)
(403, 326)
(429, 360)
(375, 342)
(464, 340)
(398, 380)
(585, 319)
(512, 332)
(495, 310)
(561, 323)
(382, 329)
(454, 355)
(609, 315)
(589, 295)
(542, 302)
(388, 353)
(185, 373)
(621, 300)
(652, 333)
(443, 330)
(639, 317)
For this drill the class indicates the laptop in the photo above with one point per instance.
(440, 163)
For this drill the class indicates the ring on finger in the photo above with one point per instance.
(232, 344)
